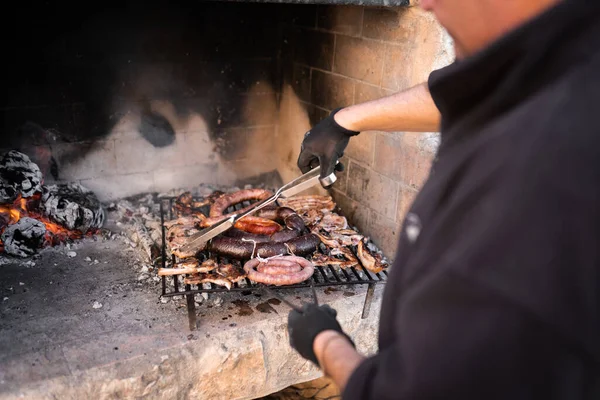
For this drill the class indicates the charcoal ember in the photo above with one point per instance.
(73, 206)
(18, 174)
(23, 238)
(8, 191)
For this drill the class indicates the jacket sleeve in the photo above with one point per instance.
(457, 340)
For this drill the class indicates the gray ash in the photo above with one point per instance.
(24, 238)
(8, 191)
(73, 206)
(19, 175)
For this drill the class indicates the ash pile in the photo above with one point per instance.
(34, 215)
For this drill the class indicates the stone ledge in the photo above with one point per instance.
(137, 347)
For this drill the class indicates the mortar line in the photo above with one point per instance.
(396, 201)
(307, 103)
(310, 83)
(375, 136)
(333, 52)
(347, 77)
(398, 190)
(372, 170)
(322, 30)
(368, 221)
(385, 53)
(362, 21)
(363, 165)
(383, 217)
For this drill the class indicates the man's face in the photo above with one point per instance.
(473, 24)
(463, 19)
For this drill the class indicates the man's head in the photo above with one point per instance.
(473, 24)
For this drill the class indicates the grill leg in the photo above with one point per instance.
(368, 300)
(191, 308)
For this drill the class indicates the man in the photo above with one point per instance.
(495, 293)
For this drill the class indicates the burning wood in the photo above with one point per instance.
(63, 211)
(19, 175)
(8, 192)
(24, 237)
(73, 206)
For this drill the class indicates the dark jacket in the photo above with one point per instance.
(495, 291)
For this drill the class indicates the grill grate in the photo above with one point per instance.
(323, 276)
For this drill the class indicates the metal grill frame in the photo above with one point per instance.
(348, 276)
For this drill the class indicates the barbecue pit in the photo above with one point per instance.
(132, 106)
(324, 276)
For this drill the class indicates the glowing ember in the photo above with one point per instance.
(29, 207)
(33, 214)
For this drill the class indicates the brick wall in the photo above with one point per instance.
(339, 56)
(132, 99)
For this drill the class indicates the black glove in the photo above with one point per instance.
(323, 145)
(304, 328)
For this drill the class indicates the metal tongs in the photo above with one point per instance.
(303, 182)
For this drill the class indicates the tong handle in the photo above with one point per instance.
(260, 205)
(328, 180)
(304, 177)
